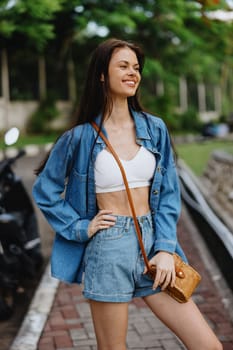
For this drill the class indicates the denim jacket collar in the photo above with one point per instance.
(140, 124)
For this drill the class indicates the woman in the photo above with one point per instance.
(93, 222)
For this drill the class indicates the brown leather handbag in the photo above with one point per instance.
(187, 278)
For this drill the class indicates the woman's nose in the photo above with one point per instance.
(131, 71)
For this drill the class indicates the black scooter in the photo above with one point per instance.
(20, 246)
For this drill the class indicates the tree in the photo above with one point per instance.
(27, 24)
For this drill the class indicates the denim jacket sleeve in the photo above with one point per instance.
(169, 205)
(48, 191)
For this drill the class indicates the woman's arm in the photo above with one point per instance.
(48, 191)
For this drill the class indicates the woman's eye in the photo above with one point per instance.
(137, 69)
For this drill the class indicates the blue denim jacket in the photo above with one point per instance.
(65, 192)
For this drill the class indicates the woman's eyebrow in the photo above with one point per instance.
(127, 62)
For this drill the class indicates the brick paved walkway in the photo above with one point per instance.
(69, 325)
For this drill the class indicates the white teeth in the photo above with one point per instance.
(131, 83)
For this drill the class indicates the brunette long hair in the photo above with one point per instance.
(96, 98)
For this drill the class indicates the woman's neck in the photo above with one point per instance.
(120, 115)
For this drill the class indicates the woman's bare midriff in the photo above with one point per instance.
(119, 204)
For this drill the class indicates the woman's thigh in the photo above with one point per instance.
(185, 320)
(110, 322)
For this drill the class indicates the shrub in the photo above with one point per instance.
(190, 121)
(40, 120)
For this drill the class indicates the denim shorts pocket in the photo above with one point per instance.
(111, 233)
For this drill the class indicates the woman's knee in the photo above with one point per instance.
(207, 343)
(216, 345)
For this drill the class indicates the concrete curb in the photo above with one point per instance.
(34, 321)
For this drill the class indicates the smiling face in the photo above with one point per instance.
(123, 73)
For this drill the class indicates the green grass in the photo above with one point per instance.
(196, 155)
(31, 139)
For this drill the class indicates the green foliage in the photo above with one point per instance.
(152, 69)
(30, 20)
(189, 120)
(40, 120)
(6, 28)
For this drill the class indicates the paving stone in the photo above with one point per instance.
(77, 334)
(142, 327)
(86, 342)
(46, 347)
(73, 321)
(171, 345)
(63, 341)
(83, 309)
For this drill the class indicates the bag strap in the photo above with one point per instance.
(137, 227)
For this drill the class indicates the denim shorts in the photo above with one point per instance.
(114, 264)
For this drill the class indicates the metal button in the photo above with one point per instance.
(155, 192)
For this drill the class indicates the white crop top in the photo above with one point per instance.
(139, 171)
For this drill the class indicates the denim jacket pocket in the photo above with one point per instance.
(77, 191)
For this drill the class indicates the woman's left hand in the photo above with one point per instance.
(165, 270)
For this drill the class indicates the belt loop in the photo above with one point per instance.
(149, 218)
(127, 223)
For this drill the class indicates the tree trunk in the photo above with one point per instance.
(42, 78)
(71, 81)
(183, 94)
(160, 88)
(201, 92)
(5, 88)
(217, 99)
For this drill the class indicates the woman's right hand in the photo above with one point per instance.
(101, 221)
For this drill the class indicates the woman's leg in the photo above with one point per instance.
(110, 323)
(185, 320)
